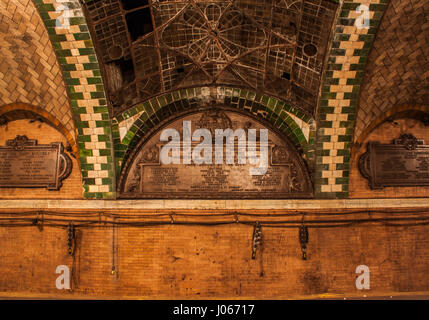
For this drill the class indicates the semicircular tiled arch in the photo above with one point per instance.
(398, 65)
(132, 125)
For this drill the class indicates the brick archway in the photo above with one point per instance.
(400, 111)
(19, 110)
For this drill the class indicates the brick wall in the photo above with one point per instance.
(197, 262)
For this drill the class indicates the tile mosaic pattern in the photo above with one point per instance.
(77, 58)
(296, 125)
(29, 70)
(150, 48)
(339, 96)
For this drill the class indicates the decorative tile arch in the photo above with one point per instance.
(296, 125)
(336, 109)
(340, 88)
(81, 72)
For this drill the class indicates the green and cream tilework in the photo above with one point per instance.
(339, 96)
(76, 55)
(131, 126)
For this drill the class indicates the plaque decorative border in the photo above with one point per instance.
(403, 163)
(282, 155)
(50, 159)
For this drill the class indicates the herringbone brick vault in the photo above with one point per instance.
(29, 69)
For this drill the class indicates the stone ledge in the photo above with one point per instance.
(216, 204)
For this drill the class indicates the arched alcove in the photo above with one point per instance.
(146, 175)
(19, 111)
(387, 131)
(44, 141)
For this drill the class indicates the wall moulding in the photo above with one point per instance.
(153, 206)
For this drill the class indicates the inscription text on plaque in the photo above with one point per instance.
(146, 176)
(404, 163)
(24, 163)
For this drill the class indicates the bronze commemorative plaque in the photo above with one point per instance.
(24, 163)
(404, 163)
(188, 175)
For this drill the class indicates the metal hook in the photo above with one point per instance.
(236, 217)
(257, 239)
(303, 238)
(70, 238)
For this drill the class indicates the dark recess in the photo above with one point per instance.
(132, 4)
(139, 23)
(127, 70)
(286, 75)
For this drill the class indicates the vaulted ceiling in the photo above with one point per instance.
(397, 72)
(29, 70)
(149, 47)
